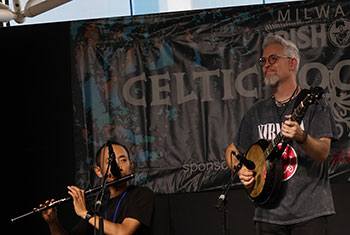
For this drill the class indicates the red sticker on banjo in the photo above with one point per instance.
(289, 162)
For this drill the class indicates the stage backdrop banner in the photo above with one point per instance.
(173, 87)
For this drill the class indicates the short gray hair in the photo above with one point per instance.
(290, 49)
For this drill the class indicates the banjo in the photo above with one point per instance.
(267, 156)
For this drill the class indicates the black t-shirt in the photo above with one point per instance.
(136, 203)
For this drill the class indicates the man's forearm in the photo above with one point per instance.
(231, 161)
(316, 149)
(56, 228)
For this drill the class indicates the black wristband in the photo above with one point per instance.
(88, 216)
(304, 139)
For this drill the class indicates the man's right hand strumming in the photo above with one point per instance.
(245, 175)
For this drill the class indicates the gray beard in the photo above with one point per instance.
(271, 80)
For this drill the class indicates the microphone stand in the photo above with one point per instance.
(222, 202)
(98, 204)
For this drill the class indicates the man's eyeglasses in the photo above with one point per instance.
(272, 59)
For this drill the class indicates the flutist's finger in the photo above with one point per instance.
(47, 202)
(78, 196)
(76, 193)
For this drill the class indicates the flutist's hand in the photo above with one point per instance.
(78, 196)
(49, 215)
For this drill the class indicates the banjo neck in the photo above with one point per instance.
(296, 116)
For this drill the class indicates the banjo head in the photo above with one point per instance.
(256, 155)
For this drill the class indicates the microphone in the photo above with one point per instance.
(249, 164)
(115, 170)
